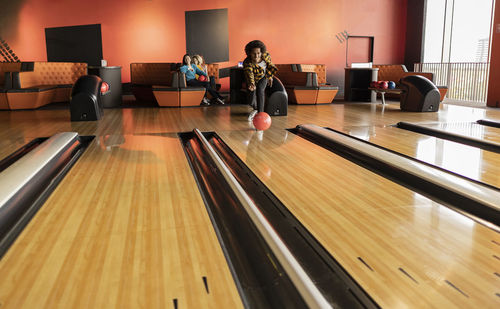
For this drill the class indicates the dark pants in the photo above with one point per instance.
(258, 97)
(206, 85)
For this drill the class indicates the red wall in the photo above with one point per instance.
(295, 31)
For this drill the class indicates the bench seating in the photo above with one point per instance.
(144, 75)
(395, 72)
(6, 69)
(306, 83)
(46, 83)
(178, 94)
(163, 84)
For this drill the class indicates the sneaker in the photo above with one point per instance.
(205, 102)
(252, 114)
(260, 135)
(219, 101)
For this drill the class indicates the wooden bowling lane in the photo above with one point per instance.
(10, 145)
(402, 248)
(38, 123)
(468, 161)
(126, 228)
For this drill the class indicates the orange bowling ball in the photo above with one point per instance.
(262, 121)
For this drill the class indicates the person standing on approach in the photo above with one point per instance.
(259, 73)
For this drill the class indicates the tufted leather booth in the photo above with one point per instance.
(6, 69)
(178, 94)
(159, 82)
(144, 75)
(213, 71)
(319, 69)
(306, 83)
(45, 83)
(395, 72)
(151, 73)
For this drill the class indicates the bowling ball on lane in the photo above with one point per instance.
(262, 121)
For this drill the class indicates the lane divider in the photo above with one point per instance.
(463, 139)
(27, 182)
(479, 202)
(307, 289)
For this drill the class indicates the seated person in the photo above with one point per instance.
(190, 70)
(259, 73)
(200, 63)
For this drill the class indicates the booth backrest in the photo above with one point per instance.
(394, 72)
(213, 70)
(161, 73)
(52, 73)
(285, 68)
(306, 79)
(152, 73)
(8, 67)
(390, 71)
(319, 69)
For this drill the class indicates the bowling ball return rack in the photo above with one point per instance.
(383, 91)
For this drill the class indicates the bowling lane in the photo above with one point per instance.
(38, 123)
(465, 160)
(9, 145)
(126, 228)
(402, 248)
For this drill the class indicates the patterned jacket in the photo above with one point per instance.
(254, 72)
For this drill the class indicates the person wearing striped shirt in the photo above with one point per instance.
(259, 73)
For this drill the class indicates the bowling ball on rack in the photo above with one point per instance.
(391, 85)
(382, 85)
(104, 87)
(262, 121)
(374, 84)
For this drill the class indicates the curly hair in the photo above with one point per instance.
(255, 44)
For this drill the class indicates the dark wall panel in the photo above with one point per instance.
(74, 44)
(207, 34)
(414, 32)
(9, 15)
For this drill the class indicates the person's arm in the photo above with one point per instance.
(247, 69)
(270, 68)
(183, 69)
(199, 72)
(205, 69)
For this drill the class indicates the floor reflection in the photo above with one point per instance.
(461, 159)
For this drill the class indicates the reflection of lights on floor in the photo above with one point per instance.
(455, 216)
(462, 159)
(268, 173)
(364, 133)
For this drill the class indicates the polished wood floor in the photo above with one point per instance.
(127, 227)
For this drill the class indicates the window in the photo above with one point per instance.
(457, 30)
